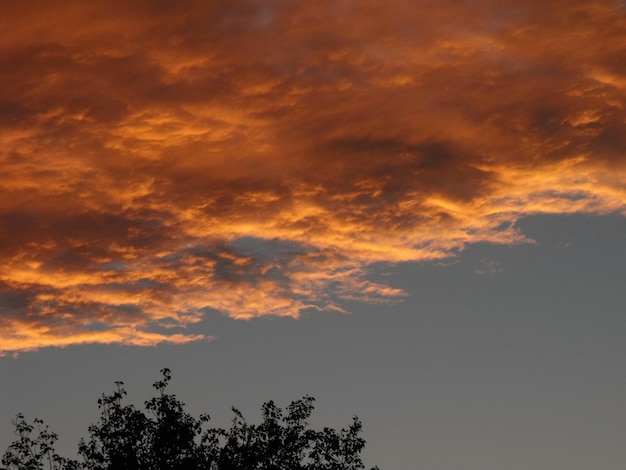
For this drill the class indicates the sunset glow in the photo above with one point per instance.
(159, 159)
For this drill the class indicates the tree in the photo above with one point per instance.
(34, 448)
(166, 437)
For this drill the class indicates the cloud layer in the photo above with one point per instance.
(264, 157)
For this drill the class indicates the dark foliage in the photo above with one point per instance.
(166, 437)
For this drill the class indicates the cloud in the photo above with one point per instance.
(264, 158)
(488, 267)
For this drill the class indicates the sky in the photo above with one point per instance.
(411, 210)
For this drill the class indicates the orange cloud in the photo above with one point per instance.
(262, 158)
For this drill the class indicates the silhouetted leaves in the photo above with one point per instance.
(166, 437)
(34, 448)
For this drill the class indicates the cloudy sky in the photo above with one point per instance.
(412, 210)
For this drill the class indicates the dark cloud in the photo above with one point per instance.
(260, 158)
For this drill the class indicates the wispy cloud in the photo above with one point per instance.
(261, 158)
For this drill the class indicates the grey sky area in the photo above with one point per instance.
(507, 357)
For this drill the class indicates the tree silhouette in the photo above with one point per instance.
(166, 437)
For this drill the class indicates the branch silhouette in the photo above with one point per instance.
(166, 437)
